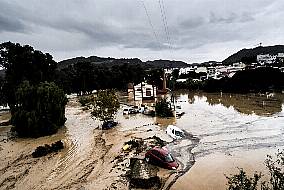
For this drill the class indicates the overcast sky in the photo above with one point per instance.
(197, 30)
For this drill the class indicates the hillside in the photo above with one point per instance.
(252, 53)
(112, 61)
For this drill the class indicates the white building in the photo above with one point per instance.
(201, 70)
(266, 59)
(211, 72)
(280, 55)
(186, 70)
(181, 80)
(142, 91)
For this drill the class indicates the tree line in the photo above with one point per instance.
(261, 79)
(34, 86)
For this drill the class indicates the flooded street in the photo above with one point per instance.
(223, 132)
(234, 131)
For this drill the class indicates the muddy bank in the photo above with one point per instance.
(91, 158)
(182, 150)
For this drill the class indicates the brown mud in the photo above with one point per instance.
(91, 159)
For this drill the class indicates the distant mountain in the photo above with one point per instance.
(112, 61)
(252, 53)
(210, 63)
(167, 64)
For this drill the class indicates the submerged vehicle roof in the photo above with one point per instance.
(174, 127)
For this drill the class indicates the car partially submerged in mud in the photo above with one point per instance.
(161, 157)
(109, 124)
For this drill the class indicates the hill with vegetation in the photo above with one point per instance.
(109, 62)
(245, 55)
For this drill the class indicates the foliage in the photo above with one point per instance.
(24, 63)
(242, 182)
(84, 77)
(40, 109)
(193, 75)
(85, 100)
(163, 109)
(175, 74)
(276, 182)
(154, 77)
(3, 98)
(276, 171)
(106, 105)
(190, 85)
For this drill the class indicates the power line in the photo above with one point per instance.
(165, 22)
(150, 23)
(167, 26)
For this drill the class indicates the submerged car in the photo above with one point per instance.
(109, 124)
(161, 157)
(127, 111)
(175, 132)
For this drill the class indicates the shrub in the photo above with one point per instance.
(276, 182)
(40, 110)
(163, 109)
(86, 100)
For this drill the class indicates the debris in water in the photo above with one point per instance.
(142, 175)
(46, 149)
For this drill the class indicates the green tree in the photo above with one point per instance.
(276, 182)
(106, 105)
(175, 74)
(24, 63)
(243, 182)
(3, 100)
(276, 171)
(155, 77)
(163, 109)
(39, 109)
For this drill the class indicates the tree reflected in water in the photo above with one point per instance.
(259, 104)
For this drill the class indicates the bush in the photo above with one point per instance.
(163, 109)
(242, 182)
(86, 100)
(276, 182)
(40, 110)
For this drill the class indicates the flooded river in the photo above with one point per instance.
(225, 132)
(235, 131)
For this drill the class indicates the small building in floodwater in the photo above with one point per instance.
(142, 91)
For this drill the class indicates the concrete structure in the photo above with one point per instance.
(211, 72)
(142, 91)
(186, 70)
(201, 70)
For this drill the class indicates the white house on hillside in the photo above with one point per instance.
(186, 70)
(266, 59)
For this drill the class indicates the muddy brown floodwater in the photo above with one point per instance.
(235, 131)
(224, 131)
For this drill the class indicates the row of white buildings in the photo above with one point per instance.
(215, 72)
(268, 58)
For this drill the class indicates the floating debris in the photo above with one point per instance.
(46, 149)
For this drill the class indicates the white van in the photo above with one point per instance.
(126, 111)
(175, 132)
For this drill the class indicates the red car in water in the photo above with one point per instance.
(161, 157)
